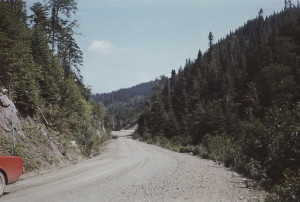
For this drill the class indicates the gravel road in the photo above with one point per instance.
(128, 170)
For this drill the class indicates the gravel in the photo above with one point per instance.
(128, 170)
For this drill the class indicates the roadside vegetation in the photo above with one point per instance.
(40, 65)
(238, 103)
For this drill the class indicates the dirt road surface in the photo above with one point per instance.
(128, 170)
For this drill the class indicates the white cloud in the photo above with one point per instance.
(102, 47)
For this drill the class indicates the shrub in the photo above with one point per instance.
(289, 190)
(255, 170)
(114, 137)
(147, 136)
(221, 148)
(188, 149)
(136, 135)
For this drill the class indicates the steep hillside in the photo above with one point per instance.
(238, 103)
(125, 105)
(39, 145)
(40, 82)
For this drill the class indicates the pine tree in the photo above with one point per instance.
(61, 37)
(239, 100)
(40, 16)
(210, 39)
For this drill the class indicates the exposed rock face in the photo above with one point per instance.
(40, 147)
(9, 112)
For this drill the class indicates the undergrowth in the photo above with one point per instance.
(225, 150)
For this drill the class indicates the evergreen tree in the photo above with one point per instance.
(40, 16)
(61, 37)
(239, 100)
(210, 39)
(33, 73)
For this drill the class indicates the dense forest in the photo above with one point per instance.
(40, 65)
(238, 103)
(125, 105)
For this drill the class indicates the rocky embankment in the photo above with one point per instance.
(39, 145)
(9, 117)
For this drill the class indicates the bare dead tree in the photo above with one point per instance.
(253, 95)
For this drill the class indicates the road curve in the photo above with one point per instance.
(129, 170)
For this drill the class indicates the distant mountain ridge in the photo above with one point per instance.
(125, 94)
(125, 105)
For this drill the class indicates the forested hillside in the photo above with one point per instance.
(125, 105)
(238, 103)
(40, 65)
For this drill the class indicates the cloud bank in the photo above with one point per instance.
(101, 47)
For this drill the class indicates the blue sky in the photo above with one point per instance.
(127, 42)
